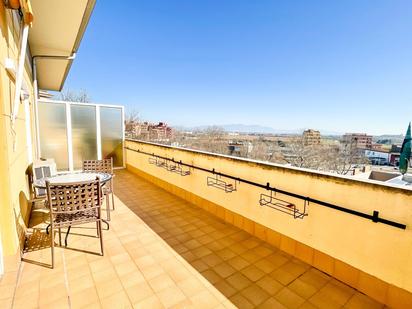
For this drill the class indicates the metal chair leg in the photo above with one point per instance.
(99, 223)
(112, 200)
(107, 207)
(67, 235)
(52, 248)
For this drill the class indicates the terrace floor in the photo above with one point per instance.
(162, 252)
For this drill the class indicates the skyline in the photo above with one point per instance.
(341, 67)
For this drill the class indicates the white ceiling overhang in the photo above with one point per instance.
(58, 28)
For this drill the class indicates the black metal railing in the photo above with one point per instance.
(373, 217)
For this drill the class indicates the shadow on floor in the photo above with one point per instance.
(248, 271)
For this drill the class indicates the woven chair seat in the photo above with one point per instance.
(67, 219)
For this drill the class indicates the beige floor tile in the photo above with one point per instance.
(191, 286)
(161, 282)
(204, 299)
(84, 298)
(116, 300)
(152, 302)
(171, 296)
(139, 292)
(108, 288)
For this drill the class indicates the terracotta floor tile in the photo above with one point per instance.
(252, 273)
(238, 263)
(241, 302)
(271, 303)
(211, 276)
(212, 260)
(225, 288)
(289, 299)
(224, 270)
(302, 288)
(238, 281)
(361, 301)
(255, 294)
(269, 284)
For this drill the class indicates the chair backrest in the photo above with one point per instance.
(65, 198)
(98, 166)
(42, 169)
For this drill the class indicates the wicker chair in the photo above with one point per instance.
(102, 166)
(74, 204)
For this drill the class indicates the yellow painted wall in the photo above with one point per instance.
(14, 190)
(382, 251)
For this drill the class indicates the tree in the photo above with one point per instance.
(75, 96)
(344, 157)
(131, 123)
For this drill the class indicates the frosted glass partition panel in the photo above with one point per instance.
(71, 132)
(84, 138)
(53, 133)
(111, 124)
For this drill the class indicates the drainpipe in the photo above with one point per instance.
(36, 94)
(20, 71)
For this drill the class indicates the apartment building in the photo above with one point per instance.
(311, 137)
(358, 140)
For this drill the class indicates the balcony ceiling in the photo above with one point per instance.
(57, 30)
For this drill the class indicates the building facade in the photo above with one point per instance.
(311, 137)
(358, 140)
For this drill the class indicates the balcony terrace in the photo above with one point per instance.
(163, 252)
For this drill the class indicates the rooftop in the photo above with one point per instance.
(163, 252)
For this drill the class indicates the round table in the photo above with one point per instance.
(72, 178)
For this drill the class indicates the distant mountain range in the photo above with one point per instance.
(245, 128)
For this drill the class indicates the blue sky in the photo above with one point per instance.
(332, 65)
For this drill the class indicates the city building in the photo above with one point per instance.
(261, 235)
(311, 137)
(378, 157)
(358, 140)
(149, 131)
